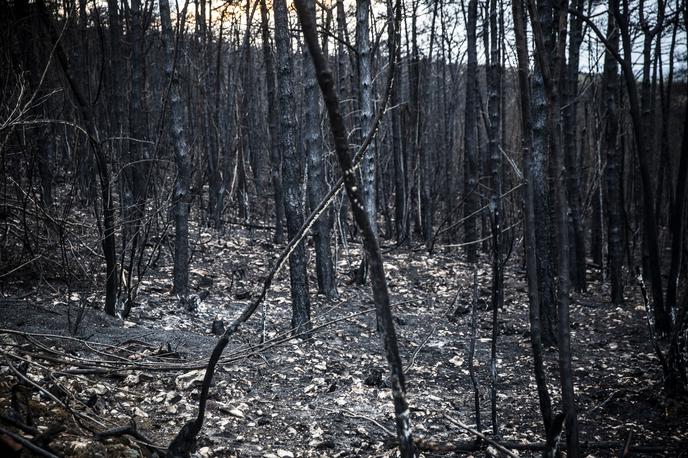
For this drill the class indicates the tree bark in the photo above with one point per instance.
(493, 106)
(316, 179)
(273, 127)
(614, 169)
(650, 238)
(377, 274)
(291, 173)
(365, 94)
(677, 222)
(400, 214)
(544, 397)
(541, 193)
(182, 159)
(552, 69)
(136, 171)
(471, 136)
(570, 96)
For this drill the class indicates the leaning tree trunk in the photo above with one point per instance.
(676, 380)
(293, 198)
(377, 273)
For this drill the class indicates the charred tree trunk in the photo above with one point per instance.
(377, 274)
(316, 179)
(544, 231)
(614, 169)
(213, 165)
(650, 238)
(365, 102)
(544, 397)
(570, 119)
(400, 213)
(115, 68)
(182, 158)
(345, 91)
(273, 126)
(413, 124)
(365, 81)
(427, 176)
(553, 69)
(136, 170)
(493, 107)
(677, 225)
(291, 171)
(471, 166)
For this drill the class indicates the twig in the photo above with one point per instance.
(420, 347)
(130, 430)
(653, 339)
(500, 447)
(351, 414)
(480, 240)
(471, 346)
(603, 403)
(625, 450)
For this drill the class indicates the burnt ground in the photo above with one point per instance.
(327, 396)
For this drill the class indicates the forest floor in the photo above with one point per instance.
(327, 396)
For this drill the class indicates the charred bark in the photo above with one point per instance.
(351, 184)
(291, 171)
(316, 180)
(182, 158)
(471, 166)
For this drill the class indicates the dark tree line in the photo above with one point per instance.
(484, 129)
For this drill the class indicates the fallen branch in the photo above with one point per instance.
(76, 415)
(18, 424)
(420, 347)
(27, 444)
(351, 414)
(128, 430)
(474, 446)
(43, 440)
(499, 447)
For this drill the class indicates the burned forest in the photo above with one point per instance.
(333, 228)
